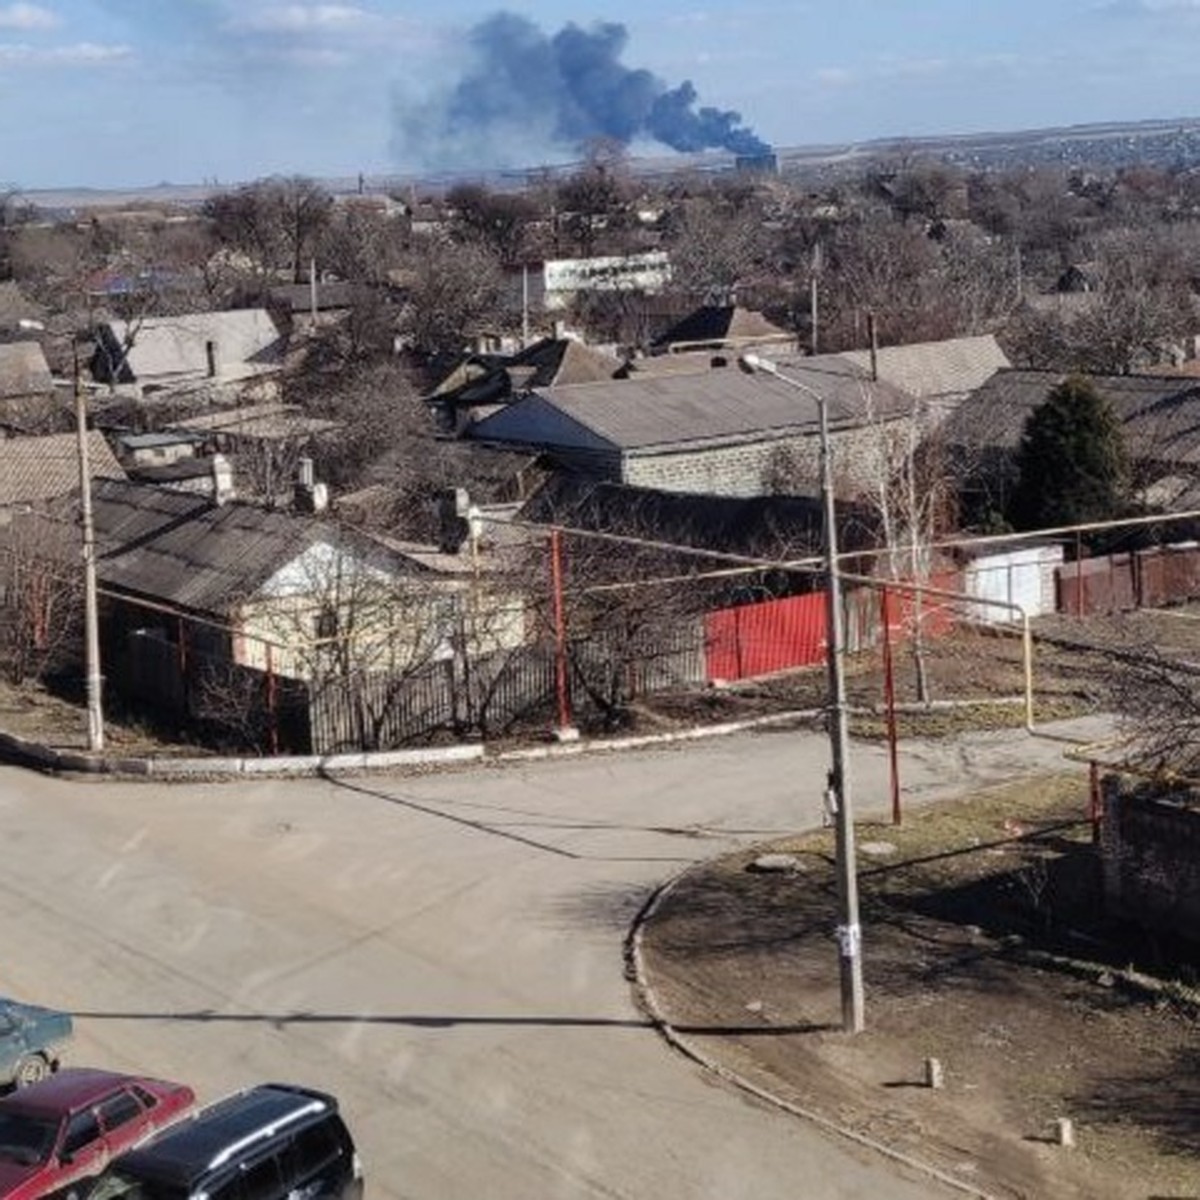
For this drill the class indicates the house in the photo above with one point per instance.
(482, 381)
(162, 352)
(314, 305)
(723, 432)
(36, 469)
(1159, 415)
(238, 584)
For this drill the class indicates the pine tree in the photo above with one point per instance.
(1072, 466)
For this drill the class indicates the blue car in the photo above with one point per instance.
(30, 1038)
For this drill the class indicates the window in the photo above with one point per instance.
(82, 1130)
(119, 1110)
(147, 1100)
(262, 1181)
(313, 1148)
(326, 622)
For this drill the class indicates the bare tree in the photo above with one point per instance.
(454, 292)
(41, 606)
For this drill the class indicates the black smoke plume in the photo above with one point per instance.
(521, 87)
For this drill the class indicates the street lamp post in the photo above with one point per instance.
(91, 644)
(849, 931)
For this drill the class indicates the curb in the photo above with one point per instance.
(648, 999)
(22, 752)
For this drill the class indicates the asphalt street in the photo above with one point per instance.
(443, 952)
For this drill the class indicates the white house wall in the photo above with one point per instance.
(1024, 577)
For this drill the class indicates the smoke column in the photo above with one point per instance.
(523, 92)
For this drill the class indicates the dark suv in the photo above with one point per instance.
(272, 1142)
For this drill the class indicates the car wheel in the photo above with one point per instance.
(33, 1068)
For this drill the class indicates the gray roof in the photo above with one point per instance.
(24, 370)
(180, 548)
(40, 468)
(930, 370)
(244, 341)
(266, 422)
(1160, 414)
(719, 406)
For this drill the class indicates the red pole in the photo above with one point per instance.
(889, 700)
(560, 633)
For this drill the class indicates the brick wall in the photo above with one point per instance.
(1150, 841)
(744, 469)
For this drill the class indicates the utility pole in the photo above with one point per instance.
(849, 931)
(91, 622)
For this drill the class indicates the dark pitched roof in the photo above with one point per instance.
(182, 549)
(490, 379)
(722, 324)
(715, 407)
(770, 527)
(1160, 414)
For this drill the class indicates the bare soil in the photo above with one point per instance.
(985, 947)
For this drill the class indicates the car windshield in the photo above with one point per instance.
(26, 1139)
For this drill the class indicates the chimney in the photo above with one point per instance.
(222, 480)
(210, 358)
(308, 496)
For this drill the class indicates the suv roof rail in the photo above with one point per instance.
(310, 1107)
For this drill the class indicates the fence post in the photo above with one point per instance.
(1079, 574)
(562, 693)
(889, 700)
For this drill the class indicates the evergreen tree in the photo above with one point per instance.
(1072, 467)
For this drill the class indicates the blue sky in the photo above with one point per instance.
(115, 93)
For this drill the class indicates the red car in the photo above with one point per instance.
(68, 1126)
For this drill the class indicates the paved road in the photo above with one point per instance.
(444, 952)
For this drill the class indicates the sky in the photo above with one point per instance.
(131, 93)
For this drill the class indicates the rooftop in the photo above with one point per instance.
(40, 468)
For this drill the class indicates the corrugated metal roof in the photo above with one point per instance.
(953, 367)
(1160, 414)
(24, 370)
(40, 468)
(673, 411)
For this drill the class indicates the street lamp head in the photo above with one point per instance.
(755, 362)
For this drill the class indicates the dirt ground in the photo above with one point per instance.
(985, 948)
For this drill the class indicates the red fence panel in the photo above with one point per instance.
(757, 639)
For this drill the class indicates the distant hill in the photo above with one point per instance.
(1167, 144)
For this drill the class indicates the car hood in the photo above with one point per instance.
(49, 1024)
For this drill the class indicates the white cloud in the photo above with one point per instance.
(834, 76)
(301, 19)
(1149, 8)
(22, 54)
(26, 16)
